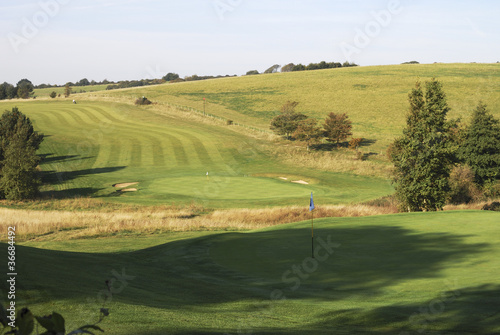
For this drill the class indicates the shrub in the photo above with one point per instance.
(491, 189)
(143, 101)
(494, 206)
(53, 94)
(462, 186)
(354, 143)
(229, 122)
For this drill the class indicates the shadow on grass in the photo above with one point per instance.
(60, 177)
(471, 310)
(182, 275)
(329, 146)
(50, 158)
(70, 193)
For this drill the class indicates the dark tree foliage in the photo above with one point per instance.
(170, 76)
(24, 88)
(83, 82)
(287, 122)
(252, 72)
(481, 146)
(298, 67)
(7, 91)
(337, 127)
(424, 154)
(316, 66)
(18, 160)
(135, 83)
(53, 94)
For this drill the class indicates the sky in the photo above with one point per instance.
(57, 41)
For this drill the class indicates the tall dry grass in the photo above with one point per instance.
(341, 160)
(57, 224)
(87, 218)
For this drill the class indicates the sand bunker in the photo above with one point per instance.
(122, 185)
(283, 178)
(300, 182)
(129, 190)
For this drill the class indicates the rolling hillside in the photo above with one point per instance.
(374, 97)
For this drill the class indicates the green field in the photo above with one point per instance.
(429, 273)
(374, 97)
(91, 146)
(45, 92)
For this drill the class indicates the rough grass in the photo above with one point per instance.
(84, 218)
(124, 220)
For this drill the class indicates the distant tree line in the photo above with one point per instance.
(81, 82)
(291, 67)
(135, 83)
(23, 89)
(170, 77)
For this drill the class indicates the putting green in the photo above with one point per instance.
(229, 188)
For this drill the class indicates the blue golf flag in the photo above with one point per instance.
(311, 203)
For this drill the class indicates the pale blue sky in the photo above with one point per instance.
(55, 41)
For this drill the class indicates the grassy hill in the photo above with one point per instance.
(421, 273)
(374, 97)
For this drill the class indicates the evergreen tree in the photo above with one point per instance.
(423, 155)
(481, 147)
(19, 180)
(18, 160)
(24, 88)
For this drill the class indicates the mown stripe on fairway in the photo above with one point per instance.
(136, 153)
(114, 156)
(200, 149)
(160, 131)
(60, 118)
(94, 134)
(44, 121)
(87, 112)
(126, 130)
(198, 146)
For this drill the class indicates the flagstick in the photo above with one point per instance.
(312, 233)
